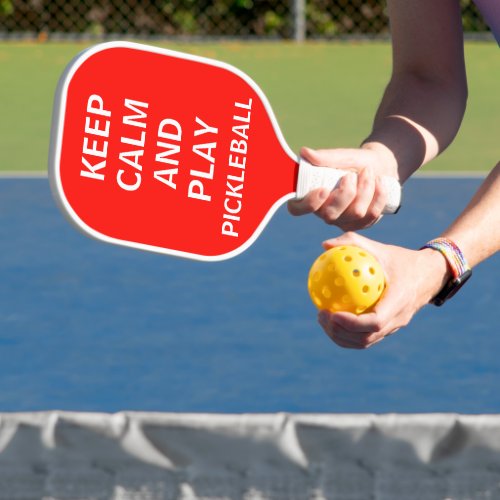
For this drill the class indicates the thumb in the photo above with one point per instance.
(349, 238)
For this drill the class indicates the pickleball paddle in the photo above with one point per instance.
(173, 153)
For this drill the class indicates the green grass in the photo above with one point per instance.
(324, 95)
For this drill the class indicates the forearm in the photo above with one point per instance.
(477, 230)
(416, 120)
(424, 103)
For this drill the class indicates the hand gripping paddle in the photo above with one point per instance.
(172, 153)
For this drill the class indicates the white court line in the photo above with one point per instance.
(23, 174)
(453, 174)
(431, 174)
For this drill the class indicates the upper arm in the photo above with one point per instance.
(427, 39)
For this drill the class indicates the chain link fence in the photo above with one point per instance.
(282, 19)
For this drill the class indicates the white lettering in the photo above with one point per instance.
(206, 129)
(133, 120)
(91, 146)
(99, 110)
(205, 151)
(233, 202)
(124, 185)
(92, 170)
(228, 229)
(196, 191)
(171, 130)
(167, 176)
(134, 138)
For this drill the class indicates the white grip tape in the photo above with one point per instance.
(313, 177)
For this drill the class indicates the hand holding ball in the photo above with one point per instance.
(346, 278)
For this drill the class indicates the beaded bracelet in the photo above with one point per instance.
(452, 254)
(459, 267)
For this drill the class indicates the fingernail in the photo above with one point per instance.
(306, 151)
(323, 194)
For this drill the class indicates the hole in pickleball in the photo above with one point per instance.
(356, 273)
(327, 293)
(317, 300)
(366, 289)
(346, 299)
(317, 276)
(372, 270)
(339, 281)
(379, 287)
(363, 254)
(348, 258)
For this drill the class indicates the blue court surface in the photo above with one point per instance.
(92, 327)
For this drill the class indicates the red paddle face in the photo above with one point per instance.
(167, 152)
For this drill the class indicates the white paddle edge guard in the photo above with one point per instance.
(314, 177)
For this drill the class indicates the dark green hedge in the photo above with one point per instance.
(264, 18)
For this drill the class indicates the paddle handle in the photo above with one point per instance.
(312, 177)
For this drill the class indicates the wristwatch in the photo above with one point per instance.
(460, 270)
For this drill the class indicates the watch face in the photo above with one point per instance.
(451, 288)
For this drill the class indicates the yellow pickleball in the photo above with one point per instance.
(346, 278)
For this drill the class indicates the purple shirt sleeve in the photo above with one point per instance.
(490, 9)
